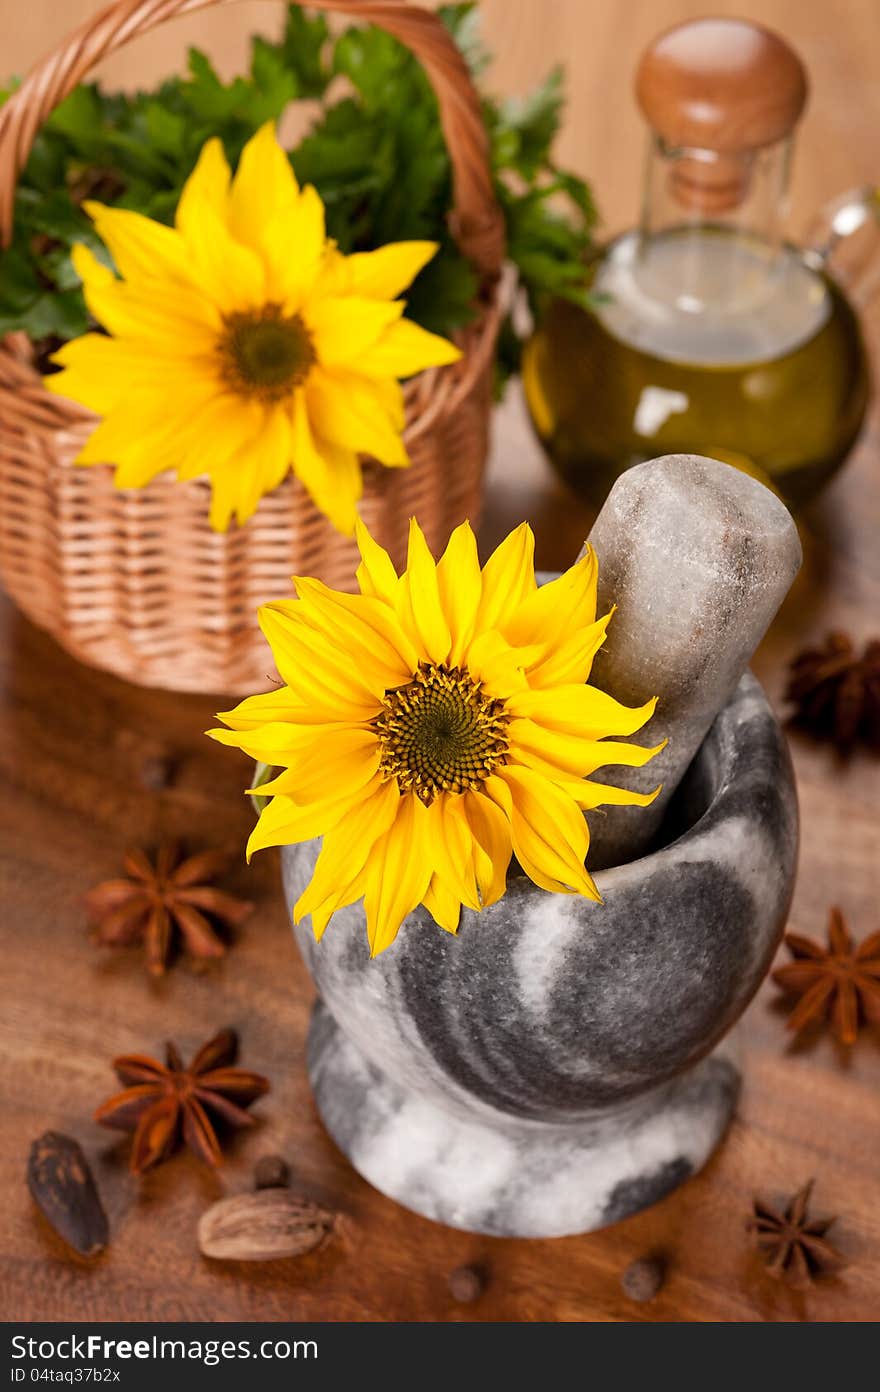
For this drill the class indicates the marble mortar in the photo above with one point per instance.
(561, 1064)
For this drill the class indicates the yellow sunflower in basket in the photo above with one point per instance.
(242, 344)
(434, 724)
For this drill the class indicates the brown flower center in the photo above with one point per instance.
(266, 353)
(440, 733)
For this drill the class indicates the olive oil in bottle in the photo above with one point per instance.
(776, 385)
(709, 333)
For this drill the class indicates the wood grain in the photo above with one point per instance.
(73, 744)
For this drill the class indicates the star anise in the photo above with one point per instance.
(164, 1104)
(161, 897)
(791, 1244)
(839, 981)
(837, 692)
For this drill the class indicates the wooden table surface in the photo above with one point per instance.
(73, 747)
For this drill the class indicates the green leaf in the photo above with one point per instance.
(79, 116)
(376, 65)
(166, 129)
(534, 122)
(578, 191)
(441, 298)
(206, 95)
(377, 157)
(53, 214)
(50, 313)
(302, 50)
(58, 267)
(274, 83)
(19, 282)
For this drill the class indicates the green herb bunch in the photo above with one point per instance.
(377, 157)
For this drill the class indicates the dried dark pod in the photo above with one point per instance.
(643, 1279)
(64, 1190)
(466, 1284)
(271, 1172)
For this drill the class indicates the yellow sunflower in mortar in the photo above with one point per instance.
(434, 724)
(243, 344)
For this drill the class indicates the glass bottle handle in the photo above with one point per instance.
(844, 240)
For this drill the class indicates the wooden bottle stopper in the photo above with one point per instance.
(719, 90)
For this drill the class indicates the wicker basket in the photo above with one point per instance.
(135, 581)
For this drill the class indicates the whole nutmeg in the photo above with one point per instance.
(466, 1284)
(263, 1225)
(643, 1278)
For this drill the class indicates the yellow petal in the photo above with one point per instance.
(266, 708)
(490, 828)
(319, 671)
(281, 742)
(550, 835)
(137, 447)
(398, 875)
(501, 668)
(347, 850)
(589, 794)
(566, 755)
(570, 658)
(384, 273)
(344, 327)
(508, 579)
(92, 272)
(376, 575)
(264, 183)
(390, 394)
(367, 628)
(449, 843)
(419, 605)
(353, 411)
(284, 822)
(261, 462)
(556, 609)
(167, 436)
(208, 183)
(87, 374)
(405, 349)
(168, 319)
(581, 710)
(230, 274)
(343, 895)
(460, 587)
(339, 763)
(140, 247)
(224, 498)
(294, 246)
(443, 906)
(331, 473)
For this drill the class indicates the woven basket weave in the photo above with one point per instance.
(135, 581)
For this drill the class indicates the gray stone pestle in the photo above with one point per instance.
(697, 556)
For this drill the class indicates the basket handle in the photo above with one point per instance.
(476, 221)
